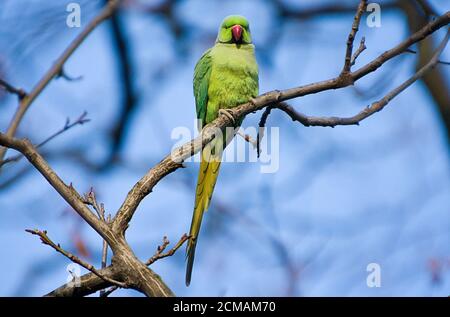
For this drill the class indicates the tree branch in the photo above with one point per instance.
(88, 284)
(159, 252)
(309, 121)
(125, 267)
(13, 90)
(56, 69)
(174, 160)
(91, 200)
(157, 256)
(362, 47)
(46, 240)
(66, 191)
(67, 126)
(425, 31)
(261, 126)
(351, 37)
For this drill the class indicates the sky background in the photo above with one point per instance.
(342, 198)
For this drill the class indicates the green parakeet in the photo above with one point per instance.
(224, 77)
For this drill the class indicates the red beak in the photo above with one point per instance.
(236, 30)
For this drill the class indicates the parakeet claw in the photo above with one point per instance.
(228, 113)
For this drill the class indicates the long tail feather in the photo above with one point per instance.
(207, 176)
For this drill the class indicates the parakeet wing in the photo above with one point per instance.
(202, 74)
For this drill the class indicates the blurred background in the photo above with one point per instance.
(341, 199)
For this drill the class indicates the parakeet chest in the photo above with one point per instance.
(234, 77)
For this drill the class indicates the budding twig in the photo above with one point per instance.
(46, 240)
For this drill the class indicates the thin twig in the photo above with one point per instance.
(46, 240)
(362, 47)
(368, 111)
(67, 126)
(351, 37)
(425, 31)
(13, 90)
(63, 74)
(56, 69)
(91, 200)
(261, 127)
(159, 252)
(414, 52)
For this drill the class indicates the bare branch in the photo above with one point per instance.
(351, 37)
(67, 126)
(56, 69)
(261, 126)
(141, 277)
(432, 63)
(362, 47)
(157, 256)
(159, 253)
(106, 293)
(174, 160)
(91, 200)
(46, 240)
(62, 74)
(88, 284)
(370, 110)
(426, 30)
(66, 191)
(439, 61)
(13, 90)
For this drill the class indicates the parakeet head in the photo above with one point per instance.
(234, 29)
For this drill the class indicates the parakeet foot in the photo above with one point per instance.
(228, 113)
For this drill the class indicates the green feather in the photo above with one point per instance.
(202, 74)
